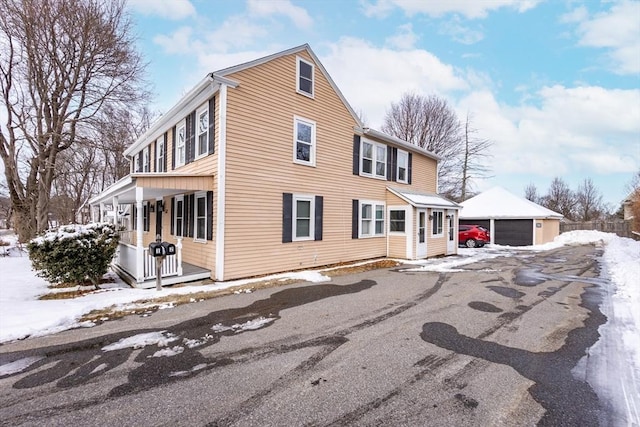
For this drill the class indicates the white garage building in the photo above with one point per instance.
(512, 220)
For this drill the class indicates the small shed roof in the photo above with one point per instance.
(423, 199)
(498, 203)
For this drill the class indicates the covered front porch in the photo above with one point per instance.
(131, 203)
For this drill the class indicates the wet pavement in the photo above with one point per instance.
(492, 345)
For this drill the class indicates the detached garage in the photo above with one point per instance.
(511, 220)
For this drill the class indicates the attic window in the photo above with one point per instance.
(305, 77)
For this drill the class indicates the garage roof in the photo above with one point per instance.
(499, 203)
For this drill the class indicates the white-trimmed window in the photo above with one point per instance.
(146, 163)
(160, 154)
(304, 141)
(371, 219)
(402, 167)
(304, 76)
(200, 216)
(180, 145)
(136, 162)
(179, 217)
(373, 161)
(303, 217)
(202, 132)
(437, 223)
(397, 220)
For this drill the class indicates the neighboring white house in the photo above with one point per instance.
(512, 220)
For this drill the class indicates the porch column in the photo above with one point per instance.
(114, 203)
(139, 239)
(492, 230)
(102, 211)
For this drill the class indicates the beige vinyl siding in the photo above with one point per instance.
(423, 173)
(550, 230)
(397, 246)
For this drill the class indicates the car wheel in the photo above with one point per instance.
(481, 245)
(470, 243)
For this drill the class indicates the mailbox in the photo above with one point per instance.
(169, 248)
(157, 249)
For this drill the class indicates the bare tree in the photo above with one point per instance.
(430, 123)
(589, 204)
(531, 193)
(476, 152)
(560, 198)
(634, 198)
(63, 61)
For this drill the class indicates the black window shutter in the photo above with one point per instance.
(173, 215)
(147, 216)
(209, 215)
(139, 167)
(389, 163)
(159, 217)
(192, 200)
(356, 154)
(287, 217)
(355, 219)
(134, 209)
(173, 148)
(166, 145)
(394, 165)
(318, 218)
(152, 166)
(212, 110)
(191, 137)
(185, 216)
(409, 169)
(187, 138)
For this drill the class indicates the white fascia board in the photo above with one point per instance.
(397, 141)
(123, 185)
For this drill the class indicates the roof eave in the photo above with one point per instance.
(373, 133)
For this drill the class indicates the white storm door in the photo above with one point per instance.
(451, 233)
(421, 241)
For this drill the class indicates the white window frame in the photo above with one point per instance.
(146, 159)
(181, 145)
(196, 238)
(178, 213)
(404, 164)
(376, 206)
(437, 223)
(298, 76)
(135, 162)
(312, 151)
(204, 111)
(374, 159)
(294, 212)
(161, 147)
(406, 217)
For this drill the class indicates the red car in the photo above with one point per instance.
(473, 236)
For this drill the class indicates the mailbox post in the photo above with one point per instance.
(159, 250)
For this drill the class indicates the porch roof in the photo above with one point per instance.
(154, 185)
(423, 199)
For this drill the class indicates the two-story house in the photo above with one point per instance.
(264, 167)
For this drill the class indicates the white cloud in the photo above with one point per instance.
(177, 42)
(459, 32)
(617, 30)
(170, 9)
(296, 14)
(404, 39)
(470, 9)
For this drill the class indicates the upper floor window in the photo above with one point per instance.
(373, 160)
(305, 72)
(402, 167)
(137, 166)
(160, 154)
(180, 146)
(304, 144)
(146, 164)
(437, 223)
(202, 132)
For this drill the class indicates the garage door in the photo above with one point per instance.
(513, 232)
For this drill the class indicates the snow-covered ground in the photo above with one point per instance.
(612, 365)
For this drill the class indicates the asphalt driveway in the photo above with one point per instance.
(494, 344)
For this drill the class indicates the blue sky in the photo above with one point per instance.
(554, 84)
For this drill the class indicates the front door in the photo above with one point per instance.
(451, 233)
(421, 249)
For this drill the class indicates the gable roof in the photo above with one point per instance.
(422, 199)
(499, 203)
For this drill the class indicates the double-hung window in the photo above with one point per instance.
(179, 216)
(303, 220)
(402, 167)
(437, 224)
(304, 143)
(304, 76)
(200, 216)
(371, 219)
(160, 154)
(136, 163)
(373, 159)
(180, 145)
(202, 132)
(146, 164)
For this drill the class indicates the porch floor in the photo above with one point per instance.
(190, 273)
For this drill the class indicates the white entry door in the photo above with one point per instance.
(421, 249)
(451, 233)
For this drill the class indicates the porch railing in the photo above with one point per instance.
(126, 256)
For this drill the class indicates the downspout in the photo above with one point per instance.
(222, 165)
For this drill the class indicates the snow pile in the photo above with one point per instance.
(142, 340)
